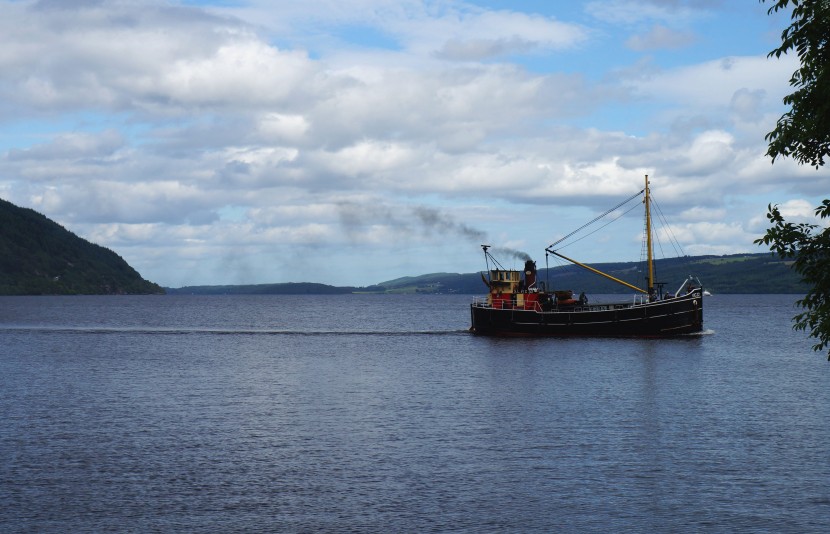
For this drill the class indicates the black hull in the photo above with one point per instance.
(665, 318)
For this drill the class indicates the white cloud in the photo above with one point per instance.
(281, 127)
(708, 152)
(369, 157)
(660, 37)
(72, 146)
(747, 104)
(797, 208)
(628, 13)
(249, 69)
(450, 30)
(713, 84)
(500, 33)
(205, 141)
(150, 57)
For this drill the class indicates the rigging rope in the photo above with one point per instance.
(595, 219)
(623, 214)
(672, 238)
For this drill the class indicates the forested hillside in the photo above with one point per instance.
(40, 257)
(289, 288)
(739, 273)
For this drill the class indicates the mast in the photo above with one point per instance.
(648, 243)
(650, 286)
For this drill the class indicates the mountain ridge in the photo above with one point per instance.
(734, 273)
(40, 257)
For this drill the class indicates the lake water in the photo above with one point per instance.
(370, 413)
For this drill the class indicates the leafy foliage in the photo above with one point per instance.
(804, 131)
(810, 247)
(40, 257)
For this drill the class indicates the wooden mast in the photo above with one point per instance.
(650, 286)
(648, 243)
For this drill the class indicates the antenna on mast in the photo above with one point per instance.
(650, 281)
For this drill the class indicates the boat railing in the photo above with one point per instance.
(484, 302)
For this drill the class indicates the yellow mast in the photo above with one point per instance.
(650, 290)
(648, 242)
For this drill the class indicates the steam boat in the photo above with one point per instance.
(518, 304)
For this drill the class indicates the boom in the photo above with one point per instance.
(608, 276)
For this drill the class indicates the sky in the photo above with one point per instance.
(352, 142)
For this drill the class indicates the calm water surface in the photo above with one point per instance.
(382, 414)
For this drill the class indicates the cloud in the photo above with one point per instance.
(748, 105)
(628, 13)
(798, 209)
(395, 136)
(723, 78)
(455, 31)
(660, 37)
(485, 35)
(72, 146)
(148, 58)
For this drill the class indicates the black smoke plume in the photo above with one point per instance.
(427, 220)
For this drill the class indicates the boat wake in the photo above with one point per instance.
(223, 331)
(707, 332)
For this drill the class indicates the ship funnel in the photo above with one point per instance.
(530, 273)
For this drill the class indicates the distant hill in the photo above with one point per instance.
(291, 288)
(40, 257)
(739, 273)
